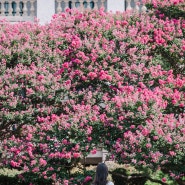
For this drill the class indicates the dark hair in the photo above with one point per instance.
(101, 174)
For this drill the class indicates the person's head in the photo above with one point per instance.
(101, 174)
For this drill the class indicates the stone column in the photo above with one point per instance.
(45, 10)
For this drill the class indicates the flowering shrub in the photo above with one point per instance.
(173, 9)
(93, 78)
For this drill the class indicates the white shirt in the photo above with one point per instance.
(110, 183)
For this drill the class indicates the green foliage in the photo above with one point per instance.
(35, 179)
(79, 177)
(5, 180)
(120, 176)
(171, 11)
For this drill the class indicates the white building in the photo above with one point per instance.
(28, 10)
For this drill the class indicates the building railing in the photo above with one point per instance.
(27, 10)
(18, 10)
(135, 5)
(82, 5)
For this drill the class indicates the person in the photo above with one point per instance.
(101, 175)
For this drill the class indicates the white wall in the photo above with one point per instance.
(115, 5)
(45, 10)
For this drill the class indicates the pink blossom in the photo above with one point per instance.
(65, 182)
(68, 155)
(36, 169)
(14, 164)
(42, 162)
(148, 145)
(64, 141)
(53, 176)
(87, 179)
(92, 75)
(172, 153)
(76, 155)
(94, 151)
(164, 179)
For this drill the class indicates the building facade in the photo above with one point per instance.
(28, 10)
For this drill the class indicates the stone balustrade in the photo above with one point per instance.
(129, 5)
(82, 5)
(27, 10)
(18, 10)
(135, 5)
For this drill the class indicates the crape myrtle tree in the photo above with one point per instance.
(93, 78)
